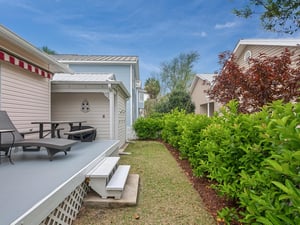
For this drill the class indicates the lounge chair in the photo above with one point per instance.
(52, 145)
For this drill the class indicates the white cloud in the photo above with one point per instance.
(225, 25)
(200, 34)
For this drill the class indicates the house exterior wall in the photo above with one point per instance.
(256, 50)
(67, 106)
(199, 96)
(123, 74)
(120, 115)
(24, 95)
(203, 105)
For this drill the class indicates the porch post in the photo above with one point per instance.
(111, 112)
(208, 109)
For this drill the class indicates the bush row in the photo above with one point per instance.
(255, 158)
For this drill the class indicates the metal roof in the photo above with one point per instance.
(96, 77)
(88, 79)
(69, 58)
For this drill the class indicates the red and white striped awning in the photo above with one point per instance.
(4, 56)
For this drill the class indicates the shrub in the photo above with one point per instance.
(253, 157)
(148, 128)
(191, 127)
(171, 132)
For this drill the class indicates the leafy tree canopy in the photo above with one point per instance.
(177, 74)
(48, 50)
(267, 79)
(177, 99)
(152, 87)
(275, 15)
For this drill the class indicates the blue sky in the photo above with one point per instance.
(155, 31)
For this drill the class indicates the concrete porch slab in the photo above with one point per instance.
(129, 197)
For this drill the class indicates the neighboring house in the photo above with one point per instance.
(125, 69)
(243, 51)
(271, 47)
(97, 98)
(25, 74)
(203, 105)
(143, 96)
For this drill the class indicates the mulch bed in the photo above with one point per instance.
(212, 201)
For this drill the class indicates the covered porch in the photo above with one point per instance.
(34, 187)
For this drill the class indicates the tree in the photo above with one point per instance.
(178, 74)
(177, 99)
(48, 50)
(152, 87)
(277, 15)
(268, 78)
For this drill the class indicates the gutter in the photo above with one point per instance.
(54, 65)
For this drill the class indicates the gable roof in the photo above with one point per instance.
(265, 42)
(205, 77)
(101, 59)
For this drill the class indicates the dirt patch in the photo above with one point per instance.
(212, 201)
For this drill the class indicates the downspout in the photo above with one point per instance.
(131, 93)
(0, 86)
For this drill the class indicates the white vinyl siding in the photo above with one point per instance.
(25, 96)
(67, 106)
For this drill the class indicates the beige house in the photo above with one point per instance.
(271, 47)
(25, 74)
(203, 105)
(243, 51)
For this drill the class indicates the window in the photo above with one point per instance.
(247, 55)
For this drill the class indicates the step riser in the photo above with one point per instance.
(108, 179)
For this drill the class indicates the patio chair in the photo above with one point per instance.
(52, 145)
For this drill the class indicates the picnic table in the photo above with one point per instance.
(55, 124)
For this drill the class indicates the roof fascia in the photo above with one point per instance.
(265, 42)
(116, 83)
(55, 66)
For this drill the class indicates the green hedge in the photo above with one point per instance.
(254, 158)
(150, 127)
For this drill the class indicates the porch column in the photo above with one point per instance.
(111, 112)
(208, 109)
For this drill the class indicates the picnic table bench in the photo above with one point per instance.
(83, 133)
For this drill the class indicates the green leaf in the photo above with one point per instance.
(264, 221)
(281, 186)
(273, 219)
(286, 219)
(296, 155)
(275, 165)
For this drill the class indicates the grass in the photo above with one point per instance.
(165, 194)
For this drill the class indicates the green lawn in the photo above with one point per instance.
(165, 194)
